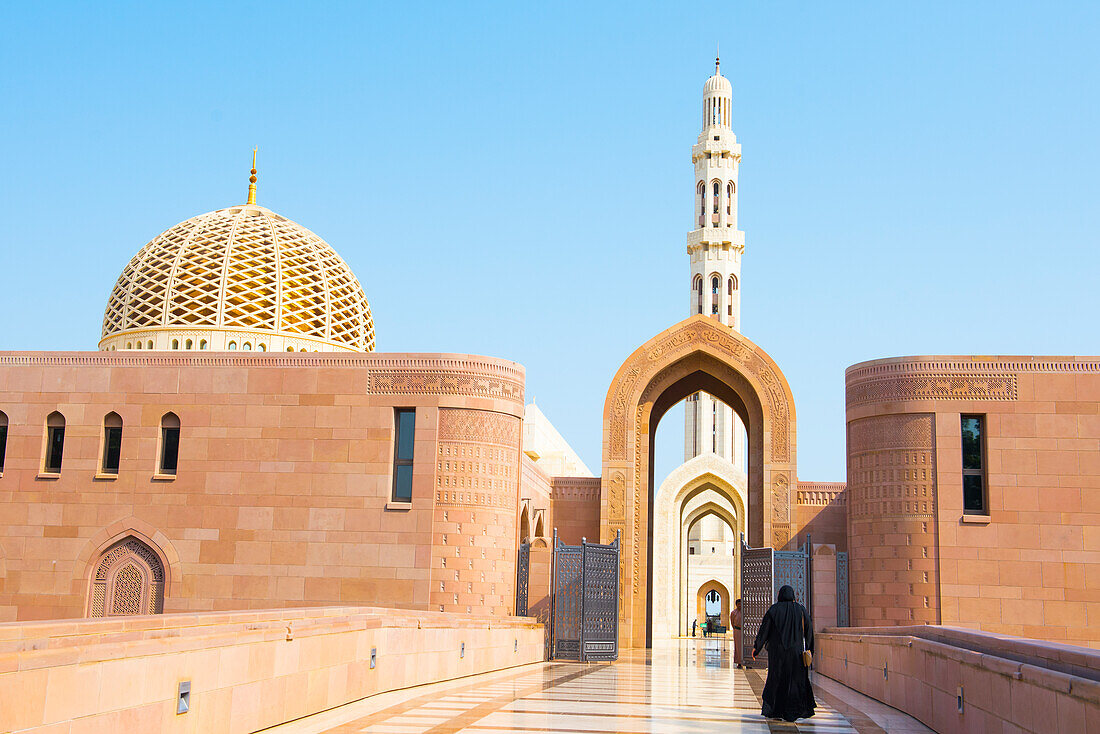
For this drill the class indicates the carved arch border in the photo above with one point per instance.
(697, 344)
(86, 562)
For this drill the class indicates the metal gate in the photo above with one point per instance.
(585, 586)
(523, 577)
(763, 572)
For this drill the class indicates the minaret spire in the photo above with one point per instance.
(252, 179)
(717, 58)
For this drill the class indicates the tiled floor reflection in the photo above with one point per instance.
(680, 686)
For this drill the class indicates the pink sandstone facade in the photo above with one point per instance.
(283, 493)
(1028, 563)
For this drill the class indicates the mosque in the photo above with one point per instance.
(237, 443)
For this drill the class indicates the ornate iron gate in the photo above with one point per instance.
(523, 577)
(842, 589)
(756, 596)
(585, 624)
(763, 572)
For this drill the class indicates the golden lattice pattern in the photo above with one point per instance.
(242, 268)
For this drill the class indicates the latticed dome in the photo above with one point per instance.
(238, 278)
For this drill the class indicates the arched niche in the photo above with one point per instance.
(697, 355)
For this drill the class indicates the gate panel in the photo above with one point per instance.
(757, 594)
(790, 570)
(842, 589)
(600, 584)
(523, 578)
(568, 560)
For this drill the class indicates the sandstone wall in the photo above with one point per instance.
(283, 492)
(1030, 566)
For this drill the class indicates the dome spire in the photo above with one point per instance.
(717, 58)
(252, 179)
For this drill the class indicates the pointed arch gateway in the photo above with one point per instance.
(697, 354)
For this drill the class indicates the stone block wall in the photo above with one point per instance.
(247, 670)
(961, 681)
(821, 512)
(283, 494)
(575, 506)
(1030, 565)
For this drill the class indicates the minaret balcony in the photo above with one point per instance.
(726, 236)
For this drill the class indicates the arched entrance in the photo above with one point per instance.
(713, 587)
(698, 354)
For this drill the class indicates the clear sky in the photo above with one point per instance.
(515, 179)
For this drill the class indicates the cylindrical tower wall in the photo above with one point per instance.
(891, 520)
(474, 533)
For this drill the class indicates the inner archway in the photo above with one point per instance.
(707, 485)
(698, 354)
(710, 588)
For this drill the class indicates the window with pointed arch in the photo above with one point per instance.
(699, 292)
(55, 443)
(128, 581)
(717, 197)
(729, 199)
(169, 444)
(715, 291)
(112, 443)
(701, 189)
(3, 438)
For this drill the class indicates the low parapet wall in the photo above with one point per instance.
(245, 670)
(957, 680)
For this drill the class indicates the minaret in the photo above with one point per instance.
(715, 246)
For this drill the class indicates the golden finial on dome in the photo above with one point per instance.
(252, 179)
(717, 57)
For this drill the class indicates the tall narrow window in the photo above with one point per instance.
(717, 197)
(973, 465)
(715, 290)
(699, 292)
(404, 423)
(55, 442)
(729, 199)
(112, 443)
(169, 444)
(702, 190)
(3, 438)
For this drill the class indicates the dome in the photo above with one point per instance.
(238, 278)
(718, 84)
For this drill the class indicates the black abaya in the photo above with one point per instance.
(784, 630)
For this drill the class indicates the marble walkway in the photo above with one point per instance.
(680, 686)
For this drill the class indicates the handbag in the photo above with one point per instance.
(807, 655)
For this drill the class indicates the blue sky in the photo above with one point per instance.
(514, 179)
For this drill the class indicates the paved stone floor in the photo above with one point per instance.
(680, 686)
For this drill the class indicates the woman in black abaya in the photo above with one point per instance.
(786, 631)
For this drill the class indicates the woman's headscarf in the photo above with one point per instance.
(786, 593)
